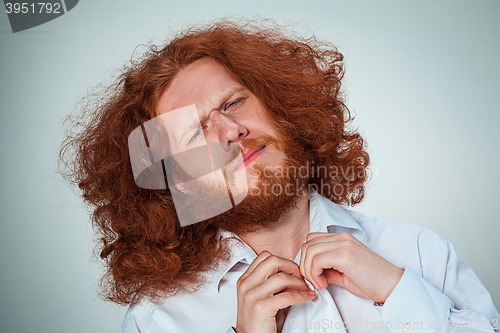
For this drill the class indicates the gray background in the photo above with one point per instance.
(422, 79)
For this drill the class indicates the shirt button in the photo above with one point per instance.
(321, 330)
(406, 327)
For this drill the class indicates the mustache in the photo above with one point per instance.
(263, 140)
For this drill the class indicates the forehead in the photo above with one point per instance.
(201, 83)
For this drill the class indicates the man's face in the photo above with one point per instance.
(228, 114)
(205, 105)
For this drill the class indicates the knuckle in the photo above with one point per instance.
(342, 234)
(241, 286)
(288, 297)
(251, 296)
(346, 236)
(260, 307)
(291, 298)
(273, 259)
(347, 244)
(264, 253)
(281, 277)
(312, 251)
(314, 247)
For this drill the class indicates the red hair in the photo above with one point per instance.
(147, 253)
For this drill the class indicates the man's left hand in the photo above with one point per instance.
(341, 259)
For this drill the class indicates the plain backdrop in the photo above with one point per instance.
(422, 78)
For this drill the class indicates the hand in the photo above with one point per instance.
(269, 284)
(341, 259)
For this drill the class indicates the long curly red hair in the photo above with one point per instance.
(146, 252)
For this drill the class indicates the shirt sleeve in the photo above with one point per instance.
(448, 298)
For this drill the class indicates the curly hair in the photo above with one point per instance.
(146, 252)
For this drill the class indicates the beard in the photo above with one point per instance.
(276, 191)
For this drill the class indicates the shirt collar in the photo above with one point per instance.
(240, 252)
(327, 216)
(324, 216)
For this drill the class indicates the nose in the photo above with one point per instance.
(228, 130)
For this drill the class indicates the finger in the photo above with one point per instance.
(266, 268)
(314, 235)
(335, 277)
(309, 257)
(343, 250)
(283, 282)
(277, 283)
(285, 299)
(335, 241)
(321, 262)
(313, 238)
(273, 264)
(262, 256)
(320, 236)
(292, 290)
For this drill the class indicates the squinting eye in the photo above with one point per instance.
(233, 103)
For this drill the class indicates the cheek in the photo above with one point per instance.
(255, 113)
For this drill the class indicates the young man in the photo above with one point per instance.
(286, 258)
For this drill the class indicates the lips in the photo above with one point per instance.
(249, 156)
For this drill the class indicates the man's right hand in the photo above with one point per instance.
(269, 284)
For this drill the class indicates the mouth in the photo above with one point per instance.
(249, 156)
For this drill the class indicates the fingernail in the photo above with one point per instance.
(311, 292)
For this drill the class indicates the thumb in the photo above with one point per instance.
(335, 277)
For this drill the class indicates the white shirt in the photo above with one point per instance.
(438, 291)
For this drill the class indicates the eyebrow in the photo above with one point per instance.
(227, 95)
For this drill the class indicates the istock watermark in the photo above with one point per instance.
(28, 14)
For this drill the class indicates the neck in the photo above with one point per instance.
(285, 237)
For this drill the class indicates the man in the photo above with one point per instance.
(286, 258)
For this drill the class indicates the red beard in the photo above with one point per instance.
(273, 195)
